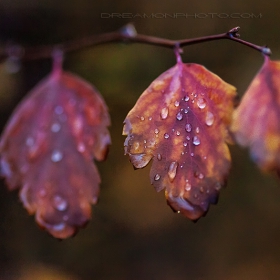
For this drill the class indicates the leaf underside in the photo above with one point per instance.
(256, 120)
(180, 121)
(47, 150)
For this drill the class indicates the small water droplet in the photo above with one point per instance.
(196, 141)
(150, 118)
(182, 153)
(55, 127)
(58, 110)
(179, 116)
(186, 111)
(209, 120)
(156, 131)
(157, 177)
(188, 127)
(59, 203)
(176, 103)
(142, 118)
(164, 113)
(172, 170)
(56, 156)
(200, 176)
(178, 212)
(185, 144)
(145, 141)
(201, 103)
(192, 101)
(177, 133)
(166, 135)
(81, 147)
(197, 130)
(159, 156)
(188, 186)
(187, 98)
(192, 154)
(29, 141)
(188, 138)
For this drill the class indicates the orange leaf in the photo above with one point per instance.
(180, 121)
(256, 120)
(47, 149)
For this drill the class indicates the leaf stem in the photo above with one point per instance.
(126, 34)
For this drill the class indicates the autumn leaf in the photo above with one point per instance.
(180, 121)
(47, 150)
(256, 120)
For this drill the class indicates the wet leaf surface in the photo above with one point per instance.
(47, 150)
(256, 120)
(180, 121)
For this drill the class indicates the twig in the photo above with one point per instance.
(126, 34)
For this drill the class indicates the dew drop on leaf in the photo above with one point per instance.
(201, 103)
(56, 156)
(157, 177)
(196, 141)
(172, 170)
(164, 113)
(166, 135)
(188, 127)
(209, 120)
(179, 116)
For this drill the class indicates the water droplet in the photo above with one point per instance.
(157, 177)
(56, 156)
(55, 127)
(81, 147)
(29, 141)
(178, 212)
(209, 120)
(172, 170)
(201, 103)
(185, 144)
(187, 98)
(200, 176)
(150, 118)
(164, 113)
(196, 141)
(58, 110)
(59, 203)
(186, 111)
(188, 138)
(179, 116)
(188, 127)
(197, 130)
(182, 153)
(166, 135)
(218, 186)
(177, 133)
(159, 157)
(188, 186)
(192, 154)
(176, 103)
(156, 131)
(142, 118)
(145, 141)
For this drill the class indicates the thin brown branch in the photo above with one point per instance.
(126, 34)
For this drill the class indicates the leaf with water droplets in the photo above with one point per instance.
(191, 109)
(47, 149)
(256, 119)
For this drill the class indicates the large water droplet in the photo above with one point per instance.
(176, 103)
(209, 120)
(196, 141)
(201, 103)
(179, 116)
(164, 113)
(172, 170)
(188, 127)
(166, 135)
(157, 177)
(55, 127)
(60, 203)
(56, 156)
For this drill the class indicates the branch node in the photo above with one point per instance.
(234, 32)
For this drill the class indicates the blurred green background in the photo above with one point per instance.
(133, 233)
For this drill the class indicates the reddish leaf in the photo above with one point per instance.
(47, 149)
(181, 122)
(256, 120)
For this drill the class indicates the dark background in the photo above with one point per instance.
(133, 233)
